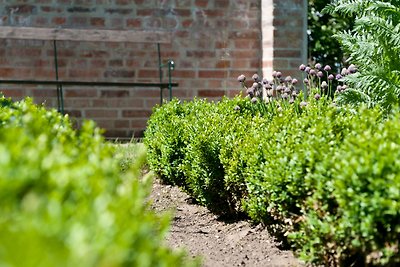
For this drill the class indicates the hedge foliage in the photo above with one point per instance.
(64, 200)
(327, 177)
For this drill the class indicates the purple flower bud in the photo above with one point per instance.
(352, 69)
(287, 90)
(291, 101)
(327, 68)
(256, 85)
(268, 86)
(344, 87)
(307, 70)
(237, 108)
(338, 77)
(302, 67)
(270, 93)
(306, 81)
(278, 74)
(254, 100)
(331, 77)
(294, 94)
(250, 92)
(274, 74)
(294, 81)
(288, 79)
(317, 96)
(279, 88)
(324, 85)
(320, 74)
(285, 96)
(339, 88)
(303, 104)
(256, 78)
(318, 66)
(313, 72)
(241, 78)
(265, 81)
(343, 72)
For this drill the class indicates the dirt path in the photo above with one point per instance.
(219, 243)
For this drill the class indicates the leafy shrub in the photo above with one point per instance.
(64, 200)
(164, 143)
(352, 216)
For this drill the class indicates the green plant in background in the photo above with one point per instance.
(374, 46)
(322, 46)
(64, 200)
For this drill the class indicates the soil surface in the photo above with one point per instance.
(217, 242)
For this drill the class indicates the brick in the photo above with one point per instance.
(111, 133)
(122, 123)
(114, 93)
(7, 72)
(101, 113)
(44, 92)
(223, 64)
(148, 74)
(98, 63)
(286, 53)
(14, 93)
(211, 93)
(84, 74)
(147, 92)
(107, 124)
(80, 9)
(119, 74)
(222, 3)
(59, 20)
(118, 11)
(134, 23)
(139, 123)
(183, 74)
(187, 23)
(21, 9)
(80, 92)
(116, 63)
(145, 12)
(200, 54)
(99, 22)
(201, 3)
(212, 74)
(136, 113)
(79, 21)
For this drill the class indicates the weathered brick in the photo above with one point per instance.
(114, 93)
(21, 9)
(119, 74)
(98, 22)
(101, 113)
(211, 93)
(136, 113)
(80, 92)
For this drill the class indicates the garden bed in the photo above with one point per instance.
(219, 242)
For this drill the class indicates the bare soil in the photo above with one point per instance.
(218, 242)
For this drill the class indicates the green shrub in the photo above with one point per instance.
(313, 170)
(164, 143)
(352, 217)
(64, 200)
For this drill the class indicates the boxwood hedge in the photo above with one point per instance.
(324, 176)
(64, 200)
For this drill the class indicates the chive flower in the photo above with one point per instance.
(241, 78)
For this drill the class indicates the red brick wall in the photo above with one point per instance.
(213, 42)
